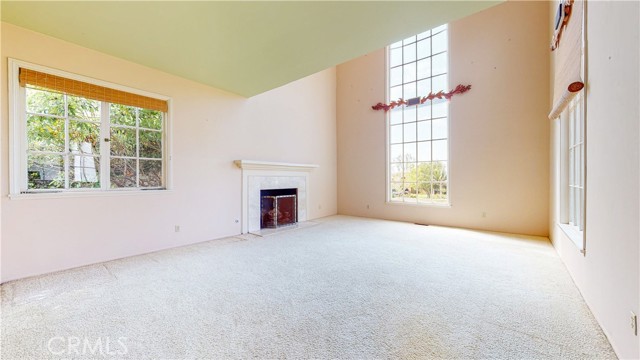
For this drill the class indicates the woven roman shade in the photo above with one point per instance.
(90, 91)
(568, 61)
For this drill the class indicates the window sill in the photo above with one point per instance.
(576, 236)
(434, 205)
(80, 194)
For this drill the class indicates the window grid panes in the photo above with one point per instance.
(576, 162)
(135, 147)
(418, 135)
(64, 144)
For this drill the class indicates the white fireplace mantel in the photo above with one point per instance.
(262, 175)
(273, 166)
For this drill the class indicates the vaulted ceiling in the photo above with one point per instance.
(244, 47)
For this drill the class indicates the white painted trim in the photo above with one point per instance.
(105, 162)
(574, 234)
(14, 131)
(84, 194)
(416, 204)
(168, 146)
(273, 166)
(387, 125)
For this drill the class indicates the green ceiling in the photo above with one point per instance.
(244, 47)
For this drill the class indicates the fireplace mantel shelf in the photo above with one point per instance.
(273, 166)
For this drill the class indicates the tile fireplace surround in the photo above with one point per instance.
(263, 175)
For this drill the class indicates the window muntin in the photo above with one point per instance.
(575, 162)
(135, 147)
(68, 143)
(418, 147)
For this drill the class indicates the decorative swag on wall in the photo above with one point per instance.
(460, 89)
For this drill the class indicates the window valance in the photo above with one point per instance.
(90, 91)
(568, 59)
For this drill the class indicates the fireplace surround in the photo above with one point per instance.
(263, 175)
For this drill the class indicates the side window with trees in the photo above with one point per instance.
(63, 140)
(79, 136)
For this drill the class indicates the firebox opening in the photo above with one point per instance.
(278, 207)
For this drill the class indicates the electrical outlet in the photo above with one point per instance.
(177, 228)
(634, 323)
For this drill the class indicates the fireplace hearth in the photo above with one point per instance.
(278, 207)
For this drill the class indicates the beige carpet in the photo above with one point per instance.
(346, 288)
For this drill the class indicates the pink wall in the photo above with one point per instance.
(211, 128)
(499, 131)
(609, 275)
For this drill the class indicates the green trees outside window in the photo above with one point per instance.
(72, 140)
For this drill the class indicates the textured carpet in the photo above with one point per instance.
(348, 288)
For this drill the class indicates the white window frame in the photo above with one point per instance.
(18, 138)
(572, 215)
(573, 170)
(389, 197)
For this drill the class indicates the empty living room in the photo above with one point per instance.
(319, 179)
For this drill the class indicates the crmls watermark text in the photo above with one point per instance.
(74, 345)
